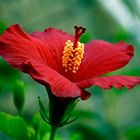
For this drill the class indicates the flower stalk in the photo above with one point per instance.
(53, 132)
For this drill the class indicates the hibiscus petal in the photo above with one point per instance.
(60, 86)
(55, 40)
(17, 47)
(109, 81)
(101, 57)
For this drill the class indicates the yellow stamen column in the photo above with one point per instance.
(72, 56)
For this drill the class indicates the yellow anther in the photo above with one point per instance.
(72, 56)
(74, 71)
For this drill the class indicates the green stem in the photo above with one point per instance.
(20, 113)
(53, 131)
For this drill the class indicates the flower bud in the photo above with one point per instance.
(18, 96)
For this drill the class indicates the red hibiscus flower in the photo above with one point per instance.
(57, 59)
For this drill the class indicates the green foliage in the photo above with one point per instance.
(88, 133)
(2, 26)
(85, 38)
(8, 76)
(76, 136)
(40, 127)
(133, 133)
(14, 126)
(18, 95)
(122, 35)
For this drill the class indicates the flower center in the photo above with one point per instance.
(73, 52)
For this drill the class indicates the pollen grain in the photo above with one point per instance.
(72, 56)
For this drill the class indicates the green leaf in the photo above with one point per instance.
(13, 126)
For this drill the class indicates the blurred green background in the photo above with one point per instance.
(107, 115)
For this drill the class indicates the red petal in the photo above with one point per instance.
(102, 57)
(60, 86)
(17, 47)
(110, 81)
(55, 40)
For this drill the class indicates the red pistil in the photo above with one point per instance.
(78, 32)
